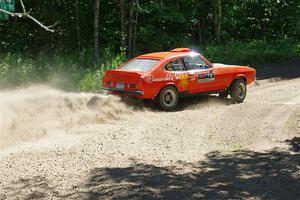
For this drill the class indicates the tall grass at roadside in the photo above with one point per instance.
(61, 71)
(91, 81)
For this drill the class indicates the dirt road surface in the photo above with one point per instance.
(57, 145)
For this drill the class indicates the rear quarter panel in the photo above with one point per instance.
(157, 79)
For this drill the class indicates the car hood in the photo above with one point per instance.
(225, 65)
(234, 67)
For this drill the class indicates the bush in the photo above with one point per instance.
(62, 71)
(15, 70)
(255, 52)
(91, 81)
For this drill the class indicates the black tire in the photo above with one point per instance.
(168, 98)
(238, 91)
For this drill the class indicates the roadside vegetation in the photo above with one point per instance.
(61, 71)
(254, 53)
(70, 73)
(91, 37)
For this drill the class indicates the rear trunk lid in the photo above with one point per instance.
(122, 79)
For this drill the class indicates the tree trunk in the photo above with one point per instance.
(123, 24)
(130, 33)
(199, 6)
(218, 16)
(135, 31)
(200, 39)
(96, 33)
(78, 29)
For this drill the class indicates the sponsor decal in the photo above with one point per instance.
(151, 79)
(182, 77)
(184, 80)
(206, 77)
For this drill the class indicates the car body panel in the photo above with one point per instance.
(213, 77)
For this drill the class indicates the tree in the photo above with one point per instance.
(201, 15)
(96, 32)
(78, 28)
(130, 31)
(217, 19)
(123, 24)
(143, 26)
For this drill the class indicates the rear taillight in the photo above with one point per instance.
(107, 84)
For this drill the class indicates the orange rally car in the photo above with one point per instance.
(165, 76)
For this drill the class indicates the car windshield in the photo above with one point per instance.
(139, 65)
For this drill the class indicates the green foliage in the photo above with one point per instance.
(63, 72)
(19, 70)
(60, 71)
(162, 25)
(260, 19)
(255, 53)
(252, 32)
(91, 81)
(15, 70)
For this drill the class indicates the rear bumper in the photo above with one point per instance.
(126, 92)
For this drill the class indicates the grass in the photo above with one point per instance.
(75, 73)
(64, 72)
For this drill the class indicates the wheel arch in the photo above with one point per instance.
(241, 76)
(237, 77)
(166, 85)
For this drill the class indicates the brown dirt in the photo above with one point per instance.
(87, 146)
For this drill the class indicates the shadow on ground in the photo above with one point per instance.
(283, 70)
(183, 104)
(240, 175)
(202, 101)
(30, 188)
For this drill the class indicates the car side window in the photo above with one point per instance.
(175, 65)
(194, 63)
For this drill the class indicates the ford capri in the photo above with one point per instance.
(164, 77)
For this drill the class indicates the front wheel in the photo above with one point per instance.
(238, 91)
(168, 98)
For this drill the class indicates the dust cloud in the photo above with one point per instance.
(37, 111)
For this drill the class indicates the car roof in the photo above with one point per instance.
(169, 54)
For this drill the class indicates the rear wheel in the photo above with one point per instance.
(168, 98)
(238, 91)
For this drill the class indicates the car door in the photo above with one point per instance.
(201, 75)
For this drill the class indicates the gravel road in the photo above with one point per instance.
(57, 145)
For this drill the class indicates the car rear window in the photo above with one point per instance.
(140, 65)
